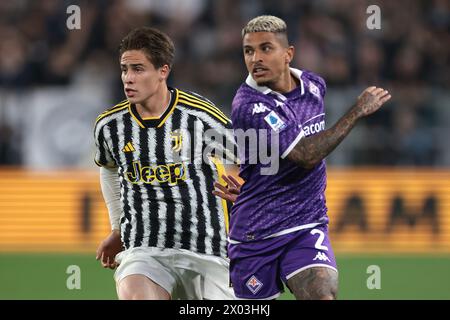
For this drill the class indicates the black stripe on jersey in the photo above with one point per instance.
(167, 194)
(102, 152)
(186, 215)
(201, 223)
(176, 124)
(170, 218)
(212, 205)
(153, 203)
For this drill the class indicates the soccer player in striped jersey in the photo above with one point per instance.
(159, 153)
(279, 223)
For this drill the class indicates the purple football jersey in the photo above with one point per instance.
(290, 198)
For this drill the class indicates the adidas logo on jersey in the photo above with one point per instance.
(259, 108)
(128, 147)
(322, 257)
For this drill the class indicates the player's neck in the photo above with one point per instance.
(286, 83)
(155, 105)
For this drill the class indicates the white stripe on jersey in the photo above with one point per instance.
(176, 191)
(144, 205)
(152, 155)
(168, 154)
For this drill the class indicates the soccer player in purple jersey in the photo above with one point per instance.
(278, 228)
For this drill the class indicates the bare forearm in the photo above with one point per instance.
(313, 149)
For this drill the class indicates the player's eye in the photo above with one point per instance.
(248, 51)
(266, 48)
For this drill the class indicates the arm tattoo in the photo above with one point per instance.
(311, 150)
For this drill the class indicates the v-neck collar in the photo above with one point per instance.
(155, 122)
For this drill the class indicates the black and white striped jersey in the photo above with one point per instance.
(166, 168)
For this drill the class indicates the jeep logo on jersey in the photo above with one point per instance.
(169, 173)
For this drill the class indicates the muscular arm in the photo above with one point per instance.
(309, 151)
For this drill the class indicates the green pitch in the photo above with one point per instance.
(43, 276)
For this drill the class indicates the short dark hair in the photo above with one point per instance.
(157, 46)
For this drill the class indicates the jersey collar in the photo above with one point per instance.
(155, 122)
(297, 73)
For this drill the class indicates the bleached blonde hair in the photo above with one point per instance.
(265, 23)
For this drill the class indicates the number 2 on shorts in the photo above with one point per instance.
(319, 241)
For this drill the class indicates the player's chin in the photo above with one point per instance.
(133, 99)
(263, 82)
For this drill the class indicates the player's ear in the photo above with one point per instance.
(164, 72)
(289, 54)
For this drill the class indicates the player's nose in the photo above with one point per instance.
(256, 57)
(128, 78)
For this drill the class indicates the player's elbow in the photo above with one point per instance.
(303, 160)
(308, 163)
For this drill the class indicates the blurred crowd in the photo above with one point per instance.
(408, 55)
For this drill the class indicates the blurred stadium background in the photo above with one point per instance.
(389, 182)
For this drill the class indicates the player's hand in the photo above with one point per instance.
(108, 249)
(370, 100)
(229, 192)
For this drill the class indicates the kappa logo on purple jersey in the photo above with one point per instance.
(259, 107)
(254, 285)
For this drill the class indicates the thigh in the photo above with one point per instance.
(140, 287)
(144, 262)
(308, 265)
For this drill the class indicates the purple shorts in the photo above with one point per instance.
(258, 269)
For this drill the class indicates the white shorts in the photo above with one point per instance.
(182, 273)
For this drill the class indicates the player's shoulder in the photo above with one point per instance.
(110, 113)
(310, 76)
(248, 100)
(200, 105)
